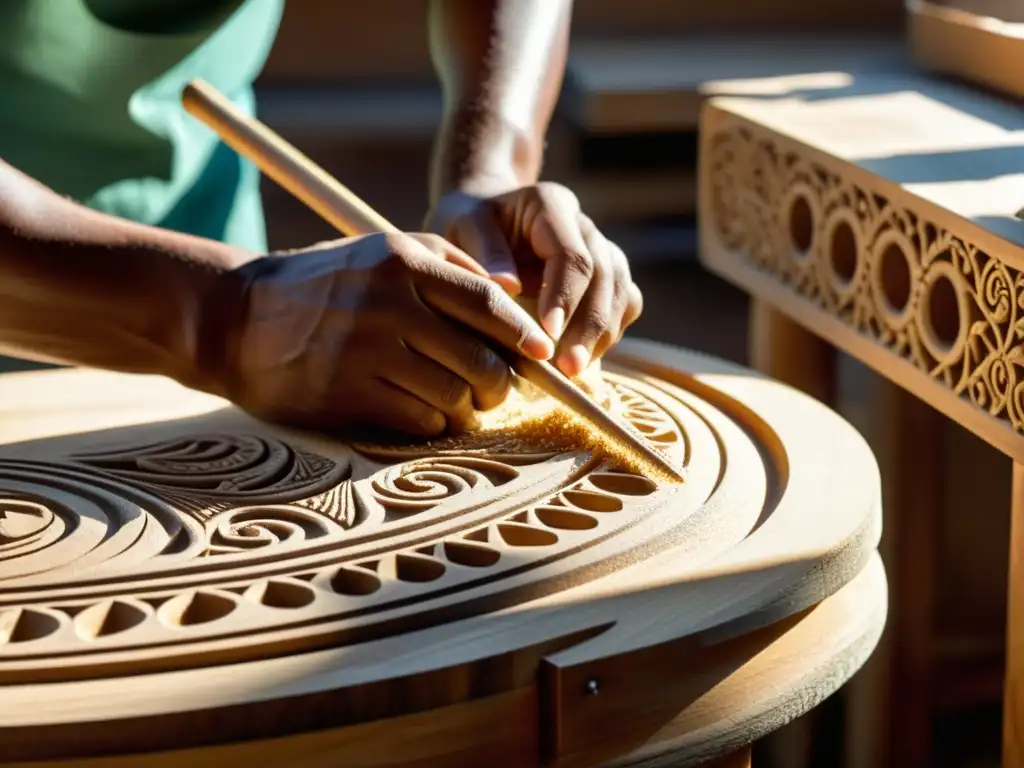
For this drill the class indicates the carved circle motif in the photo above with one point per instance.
(106, 557)
(894, 278)
(953, 311)
(802, 215)
(844, 265)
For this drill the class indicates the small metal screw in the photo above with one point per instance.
(592, 688)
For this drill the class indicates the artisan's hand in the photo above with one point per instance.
(536, 241)
(374, 331)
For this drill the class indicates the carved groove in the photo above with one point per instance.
(927, 295)
(208, 538)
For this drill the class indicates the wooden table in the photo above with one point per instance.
(883, 221)
(183, 585)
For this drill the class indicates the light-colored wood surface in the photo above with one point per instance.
(236, 571)
(967, 43)
(804, 651)
(337, 204)
(1013, 694)
(618, 85)
(909, 452)
(884, 222)
(788, 352)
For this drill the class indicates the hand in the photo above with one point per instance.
(535, 241)
(374, 331)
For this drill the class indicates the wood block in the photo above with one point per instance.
(883, 217)
(619, 85)
(980, 42)
(202, 579)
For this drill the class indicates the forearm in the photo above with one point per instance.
(501, 64)
(83, 288)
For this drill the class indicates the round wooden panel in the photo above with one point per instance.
(167, 556)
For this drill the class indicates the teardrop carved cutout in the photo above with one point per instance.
(110, 617)
(592, 501)
(622, 484)
(199, 607)
(354, 582)
(565, 519)
(470, 555)
(526, 536)
(23, 625)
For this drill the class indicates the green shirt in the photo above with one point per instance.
(91, 106)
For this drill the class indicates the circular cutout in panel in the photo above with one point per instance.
(801, 224)
(943, 312)
(842, 252)
(842, 256)
(893, 277)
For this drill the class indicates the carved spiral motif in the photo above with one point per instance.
(423, 484)
(221, 468)
(55, 520)
(299, 539)
(248, 528)
(892, 275)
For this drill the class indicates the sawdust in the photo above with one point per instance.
(531, 418)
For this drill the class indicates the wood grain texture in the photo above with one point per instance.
(746, 676)
(788, 352)
(968, 43)
(1013, 692)
(616, 85)
(885, 223)
(335, 203)
(237, 571)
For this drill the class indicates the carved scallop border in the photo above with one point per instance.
(888, 273)
(127, 612)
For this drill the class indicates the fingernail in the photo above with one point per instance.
(537, 345)
(555, 322)
(577, 358)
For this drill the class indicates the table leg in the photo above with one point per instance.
(910, 459)
(1013, 694)
(788, 352)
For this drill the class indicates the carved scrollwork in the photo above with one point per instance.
(207, 473)
(422, 484)
(197, 539)
(54, 520)
(247, 528)
(930, 297)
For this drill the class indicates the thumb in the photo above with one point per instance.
(478, 234)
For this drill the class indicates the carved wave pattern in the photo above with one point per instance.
(930, 297)
(207, 473)
(394, 560)
(59, 523)
(587, 512)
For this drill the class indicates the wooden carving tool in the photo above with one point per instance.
(339, 206)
